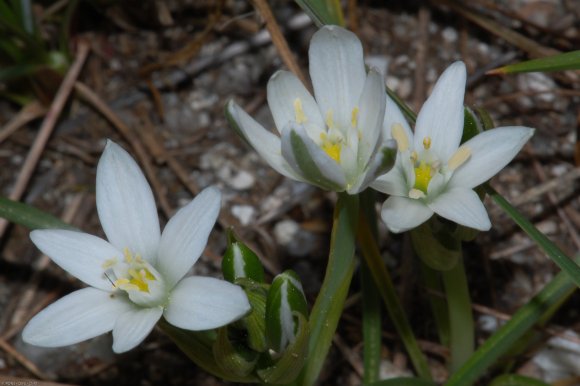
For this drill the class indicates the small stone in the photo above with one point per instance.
(244, 213)
(449, 35)
(285, 231)
(242, 180)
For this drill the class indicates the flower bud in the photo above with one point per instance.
(285, 300)
(241, 262)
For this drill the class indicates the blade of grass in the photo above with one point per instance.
(565, 61)
(323, 11)
(29, 216)
(556, 254)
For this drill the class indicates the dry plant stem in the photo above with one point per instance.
(546, 187)
(47, 127)
(28, 113)
(7, 347)
(278, 39)
(5, 381)
(95, 101)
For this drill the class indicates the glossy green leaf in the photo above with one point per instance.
(566, 61)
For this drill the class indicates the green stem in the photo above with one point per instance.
(371, 302)
(330, 301)
(431, 279)
(386, 289)
(503, 339)
(460, 314)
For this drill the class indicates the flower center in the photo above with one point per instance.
(331, 146)
(423, 174)
(139, 279)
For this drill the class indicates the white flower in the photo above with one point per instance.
(136, 276)
(334, 139)
(433, 173)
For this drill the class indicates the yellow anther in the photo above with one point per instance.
(414, 157)
(461, 155)
(127, 255)
(398, 133)
(354, 117)
(329, 121)
(422, 176)
(299, 115)
(427, 143)
(331, 147)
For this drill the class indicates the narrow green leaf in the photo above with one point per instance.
(516, 380)
(323, 11)
(29, 216)
(371, 302)
(503, 339)
(403, 381)
(566, 61)
(330, 300)
(387, 291)
(553, 252)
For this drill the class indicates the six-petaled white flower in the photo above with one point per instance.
(136, 276)
(433, 172)
(334, 139)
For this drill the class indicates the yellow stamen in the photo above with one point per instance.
(414, 157)
(422, 176)
(398, 133)
(354, 117)
(461, 155)
(427, 143)
(109, 263)
(329, 121)
(331, 147)
(127, 255)
(299, 115)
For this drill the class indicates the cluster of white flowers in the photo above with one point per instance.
(349, 136)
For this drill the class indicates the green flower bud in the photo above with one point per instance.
(241, 262)
(285, 300)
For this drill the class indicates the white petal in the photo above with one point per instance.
(394, 115)
(337, 71)
(402, 213)
(462, 206)
(185, 235)
(310, 160)
(441, 117)
(264, 142)
(80, 254)
(203, 303)
(491, 151)
(394, 182)
(79, 316)
(372, 107)
(132, 327)
(380, 165)
(284, 88)
(125, 204)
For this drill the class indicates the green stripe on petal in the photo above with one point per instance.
(311, 161)
(241, 262)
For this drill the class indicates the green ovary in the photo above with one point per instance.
(422, 176)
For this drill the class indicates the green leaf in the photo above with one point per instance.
(240, 261)
(255, 322)
(233, 359)
(330, 300)
(564, 262)
(29, 216)
(435, 245)
(403, 381)
(323, 11)
(516, 380)
(520, 323)
(566, 61)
